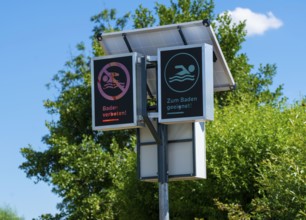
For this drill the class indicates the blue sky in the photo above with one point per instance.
(38, 37)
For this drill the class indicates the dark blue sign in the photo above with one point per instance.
(181, 84)
(113, 96)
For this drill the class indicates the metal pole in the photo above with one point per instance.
(163, 201)
(163, 173)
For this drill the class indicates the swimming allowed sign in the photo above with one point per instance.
(185, 83)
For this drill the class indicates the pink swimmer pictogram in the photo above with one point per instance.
(113, 84)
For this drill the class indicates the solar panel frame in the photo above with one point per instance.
(146, 41)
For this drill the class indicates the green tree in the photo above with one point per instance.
(254, 140)
(6, 213)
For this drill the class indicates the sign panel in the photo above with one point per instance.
(186, 149)
(184, 75)
(114, 92)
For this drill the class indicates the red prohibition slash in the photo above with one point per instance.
(109, 78)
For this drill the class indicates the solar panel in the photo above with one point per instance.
(146, 41)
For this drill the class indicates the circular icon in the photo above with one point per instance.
(113, 81)
(181, 72)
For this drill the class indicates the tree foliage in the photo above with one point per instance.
(6, 213)
(256, 145)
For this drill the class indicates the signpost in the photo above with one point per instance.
(191, 67)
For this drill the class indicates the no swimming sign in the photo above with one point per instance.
(114, 92)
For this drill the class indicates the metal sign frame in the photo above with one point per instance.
(185, 152)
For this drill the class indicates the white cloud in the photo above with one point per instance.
(256, 23)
